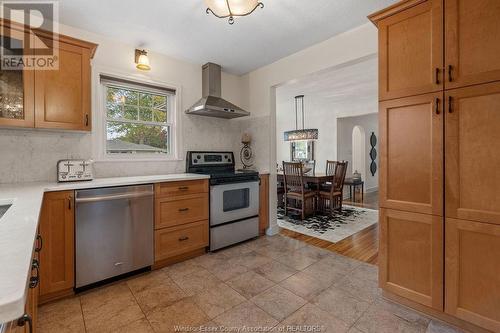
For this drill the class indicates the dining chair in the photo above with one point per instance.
(331, 197)
(293, 174)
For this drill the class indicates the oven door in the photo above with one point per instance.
(235, 201)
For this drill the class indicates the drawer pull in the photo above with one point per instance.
(183, 188)
(35, 265)
(182, 239)
(40, 243)
(183, 209)
(26, 318)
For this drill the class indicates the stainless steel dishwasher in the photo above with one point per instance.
(114, 232)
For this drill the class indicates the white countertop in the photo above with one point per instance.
(18, 230)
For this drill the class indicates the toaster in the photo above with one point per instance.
(74, 170)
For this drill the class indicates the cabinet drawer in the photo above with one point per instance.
(170, 242)
(181, 188)
(170, 212)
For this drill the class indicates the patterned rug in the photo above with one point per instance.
(332, 228)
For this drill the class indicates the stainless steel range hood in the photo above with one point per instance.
(211, 104)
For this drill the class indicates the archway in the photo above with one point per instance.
(359, 151)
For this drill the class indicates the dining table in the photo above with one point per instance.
(312, 178)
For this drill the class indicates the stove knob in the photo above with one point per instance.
(225, 156)
(195, 161)
(198, 157)
(229, 160)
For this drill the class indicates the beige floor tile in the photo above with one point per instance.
(236, 250)
(278, 302)
(139, 326)
(227, 270)
(275, 271)
(246, 314)
(325, 271)
(181, 269)
(304, 285)
(183, 313)
(402, 312)
(296, 260)
(311, 317)
(110, 307)
(250, 284)
(354, 330)
(272, 251)
(259, 242)
(197, 281)
(365, 271)
(210, 259)
(341, 304)
(366, 290)
(251, 260)
(314, 252)
(155, 290)
(436, 326)
(378, 320)
(218, 300)
(341, 263)
(62, 316)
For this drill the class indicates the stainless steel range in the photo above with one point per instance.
(234, 197)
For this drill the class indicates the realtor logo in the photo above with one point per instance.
(29, 35)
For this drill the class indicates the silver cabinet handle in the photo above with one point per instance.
(114, 197)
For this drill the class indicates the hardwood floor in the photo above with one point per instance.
(362, 246)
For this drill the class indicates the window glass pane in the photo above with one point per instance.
(131, 97)
(114, 110)
(131, 112)
(146, 100)
(236, 199)
(159, 116)
(126, 138)
(146, 114)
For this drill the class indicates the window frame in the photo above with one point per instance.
(101, 120)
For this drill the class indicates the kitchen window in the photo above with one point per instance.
(139, 119)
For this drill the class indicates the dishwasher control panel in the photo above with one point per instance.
(74, 170)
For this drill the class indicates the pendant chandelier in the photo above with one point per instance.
(232, 8)
(301, 134)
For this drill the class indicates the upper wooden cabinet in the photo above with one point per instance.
(50, 98)
(472, 153)
(411, 256)
(62, 97)
(410, 50)
(411, 154)
(472, 37)
(57, 228)
(473, 272)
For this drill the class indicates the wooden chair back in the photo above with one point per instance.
(330, 168)
(311, 164)
(294, 176)
(339, 176)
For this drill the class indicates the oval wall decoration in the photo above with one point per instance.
(373, 154)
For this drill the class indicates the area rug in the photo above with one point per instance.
(332, 228)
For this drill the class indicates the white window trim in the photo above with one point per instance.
(99, 121)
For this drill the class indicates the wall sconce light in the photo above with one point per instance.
(142, 60)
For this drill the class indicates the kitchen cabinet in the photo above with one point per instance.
(411, 154)
(263, 204)
(62, 97)
(411, 256)
(17, 92)
(472, 158)
(50, 99)
(57, 228)
(473, 272)
(181, 220)
(411, 50)
(472, 39)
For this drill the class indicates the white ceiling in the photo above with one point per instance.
(350, 84)
(182, 29)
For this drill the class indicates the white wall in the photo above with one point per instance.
(345, 127)
(31, 155)
(343, 48)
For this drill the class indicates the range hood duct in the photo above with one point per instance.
(212, 104)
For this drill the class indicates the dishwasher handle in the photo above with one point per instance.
(115, 197)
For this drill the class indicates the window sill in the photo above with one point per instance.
(145, 159)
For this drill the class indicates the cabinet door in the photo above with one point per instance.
(411, 154)
(16, 86)
(411, 51)
(263, 204)
(57, 229)
(472, 153)
(411, 256)
(472, 37)
(473, 272)
(62, 97)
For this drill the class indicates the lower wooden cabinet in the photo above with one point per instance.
(57, 258)
(171, 242)
(473, 272)
(411, 256)
(263, 204)
(171, 211)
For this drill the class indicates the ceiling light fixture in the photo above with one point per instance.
(304, 133)
(232, 8)
(142, 60)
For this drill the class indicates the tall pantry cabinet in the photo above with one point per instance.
(439, 112)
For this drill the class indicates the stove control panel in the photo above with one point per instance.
(210, 158)
(74, 170)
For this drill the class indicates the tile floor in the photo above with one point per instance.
(277, 283)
